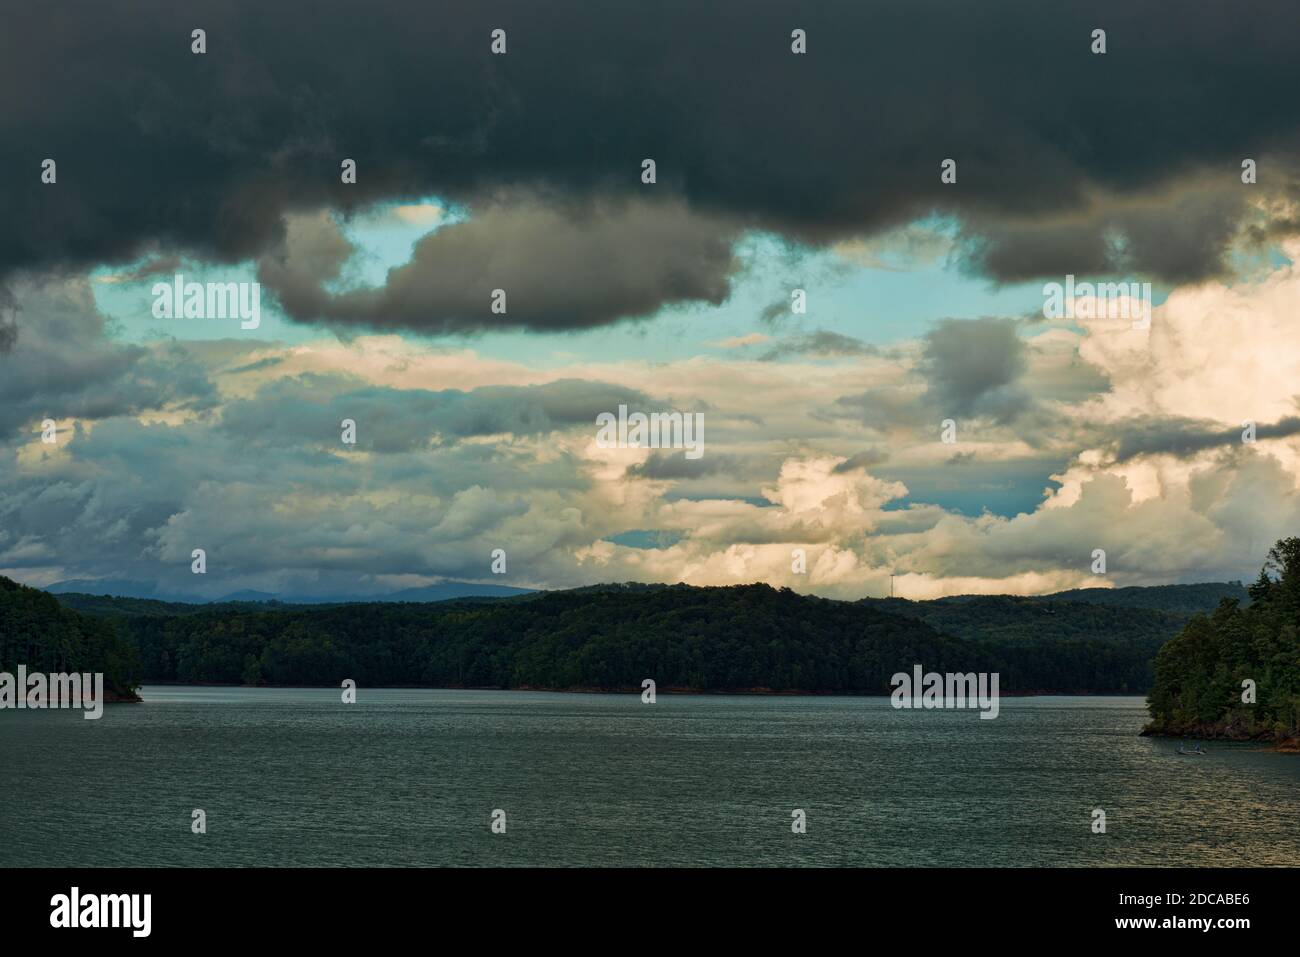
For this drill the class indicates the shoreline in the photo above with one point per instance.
(1281, 744)
(583, 689)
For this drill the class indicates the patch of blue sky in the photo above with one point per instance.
(646, 538)
(129, 304)
(881, 290)
(1005, 489)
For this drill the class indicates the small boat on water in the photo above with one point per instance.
(1198, 750)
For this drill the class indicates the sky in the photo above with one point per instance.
(882, 387)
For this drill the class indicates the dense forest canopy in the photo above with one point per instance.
(741, 637)
(1016, 620)
(613, 636)
(1200, 686)
(37, 632)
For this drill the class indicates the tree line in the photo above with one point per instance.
(1236, 672)
(612, 637)
(36, 631)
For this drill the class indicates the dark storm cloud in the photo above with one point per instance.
(1186, 437)
(972, 367)
(571, 267)
(8, 319)
(1183, 237)
(160, 148)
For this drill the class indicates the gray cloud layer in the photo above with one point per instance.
(402, 420)
(972, 367)
(161, 148)
(1185, 438)
(820, 344)
(63, 366)
(160, 463)
(570, 267)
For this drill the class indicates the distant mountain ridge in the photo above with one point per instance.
(1184, 600)
(1147, 616)
(1203, 597)
(1023, 621)
(123, 588)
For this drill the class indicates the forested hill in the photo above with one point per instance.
(1236, 673)
(37, 632)
(613, 637)
(1187, 600)
(1138, 619)
(1015, 620)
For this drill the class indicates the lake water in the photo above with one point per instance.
(411, 777)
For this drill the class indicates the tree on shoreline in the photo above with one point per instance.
(36, 631)
(1236, 673)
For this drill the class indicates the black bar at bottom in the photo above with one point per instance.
(650, 906)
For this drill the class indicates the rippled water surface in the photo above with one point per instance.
(411, 777)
